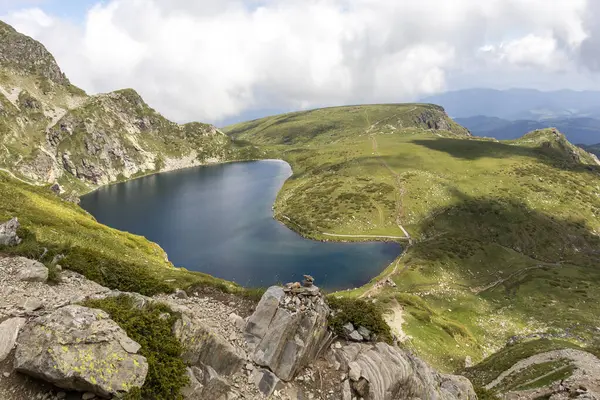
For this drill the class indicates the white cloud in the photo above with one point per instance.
(209, 60)
(531, 51)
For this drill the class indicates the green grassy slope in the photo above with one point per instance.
(326, 125)
(506, 234)
(119, 260)
(535, 376)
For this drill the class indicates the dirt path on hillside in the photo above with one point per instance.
(366, 236)
(481, 289)
(19, 179)
(380, 283)
(395, 319)
(399, 211)
(386, 279)
(397, 178)
(586, 364)
(400, 187)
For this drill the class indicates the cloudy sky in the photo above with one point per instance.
(226, 60)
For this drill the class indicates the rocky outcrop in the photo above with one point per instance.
(383, 372)
(22, 53)
(8, 233)
(203, 347)
(117, 135)
(555, 144)
(434, 117)
(288, 329)
(79, 348)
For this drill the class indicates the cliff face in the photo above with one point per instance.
(51, 131)
(116, 135)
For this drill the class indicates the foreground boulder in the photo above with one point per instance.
(288, 328)
(8, 233)
(79, 348)
(383, 372)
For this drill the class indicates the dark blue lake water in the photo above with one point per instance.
(218, 220)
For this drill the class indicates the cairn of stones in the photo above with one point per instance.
(302, 296)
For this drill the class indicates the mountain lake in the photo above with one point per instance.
(218, 220)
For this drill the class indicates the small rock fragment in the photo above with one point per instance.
(237, 321)
(181, 294)
(355, 336)
(364, 332)
(348, 328)
(8, 233)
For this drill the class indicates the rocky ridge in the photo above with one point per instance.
(555, 143)
(22, 52)
(52, 132)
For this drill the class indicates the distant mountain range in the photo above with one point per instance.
(519, 104)
(509, 114)
(584, 131)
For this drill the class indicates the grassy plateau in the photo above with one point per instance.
(504, 235)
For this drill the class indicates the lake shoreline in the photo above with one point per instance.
(240, 189)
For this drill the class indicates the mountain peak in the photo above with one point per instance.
(24, 54)
(553, 142)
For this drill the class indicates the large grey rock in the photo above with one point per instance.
(8, 233)
(284, 338)
(258, 323)
(30, 270)
(202, 346)
(382, 372)
(9, 331)
(79, 348)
